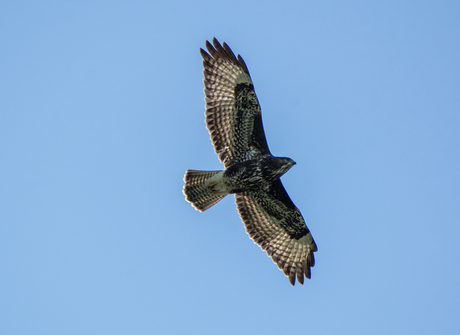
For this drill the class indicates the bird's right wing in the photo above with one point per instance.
(233, 115)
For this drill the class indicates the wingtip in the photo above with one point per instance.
(307, 272)
(292, 278)
(299, 277)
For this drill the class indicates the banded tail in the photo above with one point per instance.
(199, 194)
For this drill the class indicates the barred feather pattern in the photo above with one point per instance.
(293, 256)
(233, 116)
(196, 193)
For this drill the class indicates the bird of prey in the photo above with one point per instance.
(233, 119)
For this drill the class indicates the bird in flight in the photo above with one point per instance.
(234, 121)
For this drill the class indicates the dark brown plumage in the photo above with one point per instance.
(234, 121)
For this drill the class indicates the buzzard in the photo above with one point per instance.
(234, 121)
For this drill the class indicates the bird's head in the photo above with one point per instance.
(284, 164)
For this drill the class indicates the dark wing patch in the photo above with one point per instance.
(233, 115)
(276, 225)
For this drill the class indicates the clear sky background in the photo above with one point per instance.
(102, 111)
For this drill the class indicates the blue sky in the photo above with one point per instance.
(102, 111)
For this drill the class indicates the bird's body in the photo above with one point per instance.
(255, 173)
(233, 118)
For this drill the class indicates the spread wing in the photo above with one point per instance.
(233, 115)
(276, 225)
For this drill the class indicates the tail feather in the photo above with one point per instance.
(200, 196)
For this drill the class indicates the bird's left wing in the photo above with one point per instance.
(276, 225)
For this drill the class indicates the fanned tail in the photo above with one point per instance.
(195, 191)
